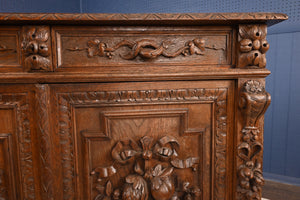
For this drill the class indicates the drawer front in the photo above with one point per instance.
(156, 140)
(94, 47)
(10, 58)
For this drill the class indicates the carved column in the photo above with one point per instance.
(252, 46)
(36, 48)
(253, 102)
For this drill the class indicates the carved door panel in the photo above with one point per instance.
(158, 140)
(17, 171)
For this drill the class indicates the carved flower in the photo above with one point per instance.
(253, 45)
(254, 87)
(162, 187)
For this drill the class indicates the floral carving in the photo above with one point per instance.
(67, 100)
(252, 46)
(36, 48)
(145, 48)
(254, 101)
(149, 181)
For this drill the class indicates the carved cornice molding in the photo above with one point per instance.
(252, 46)
(145, 48)
(253, 102)
(67, 100)
(36, 48)
(155, 18)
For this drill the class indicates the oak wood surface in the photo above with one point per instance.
(133, 106)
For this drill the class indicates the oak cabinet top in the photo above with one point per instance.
(140, 19)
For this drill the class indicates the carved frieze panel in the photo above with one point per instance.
(154, 159)
(253, 102)
(252, 46)
(136, 47)
(36, 48)
(9, 48)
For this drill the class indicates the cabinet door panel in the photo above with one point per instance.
(17, 180)
(155, 140)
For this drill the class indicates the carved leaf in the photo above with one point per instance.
(108, 189)
(186, 163)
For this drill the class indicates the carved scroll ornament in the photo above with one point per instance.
(145, 48)
(36, 48)
(252, 46)
(254, 101)
(149, 180)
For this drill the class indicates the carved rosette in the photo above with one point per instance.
(151, 179)
(253, 102)
(252, 46)
(36, 48)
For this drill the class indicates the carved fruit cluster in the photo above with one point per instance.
(150, 180)
(252, 45)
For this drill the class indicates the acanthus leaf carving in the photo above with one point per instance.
(252, 46)
(36, 48)
(145, 48)
(254, 101)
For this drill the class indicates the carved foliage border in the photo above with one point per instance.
(67, 100)
(45, 153)
(21, 104)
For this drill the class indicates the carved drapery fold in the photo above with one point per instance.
(36, 48)
(252, 46)
(253, 102)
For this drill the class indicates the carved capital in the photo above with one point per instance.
(253, 102)
(252, 46)
(36, 48)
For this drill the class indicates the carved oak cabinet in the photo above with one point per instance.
(133, 106)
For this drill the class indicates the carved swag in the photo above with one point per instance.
(254, 101)
(154, 164)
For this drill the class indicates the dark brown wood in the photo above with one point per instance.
(132, 106)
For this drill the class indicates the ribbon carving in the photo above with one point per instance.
(154, 164)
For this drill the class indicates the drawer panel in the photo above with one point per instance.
(136, 46)
(10, 59)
